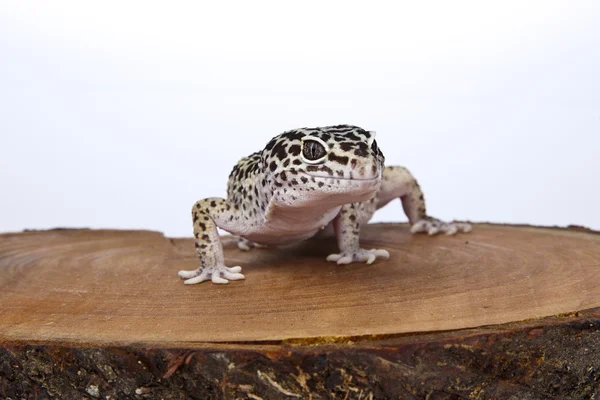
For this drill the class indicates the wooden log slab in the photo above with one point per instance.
(503, 312)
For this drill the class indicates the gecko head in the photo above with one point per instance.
(336, 164)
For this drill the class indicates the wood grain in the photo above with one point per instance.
(121, 287)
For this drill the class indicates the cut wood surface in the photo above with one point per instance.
(505, 312)
(104, 287)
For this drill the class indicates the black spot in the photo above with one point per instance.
(271, 144)
(294, 182)
(273, 166)
(352, 136)
(293, 135)
(283, 176)
(213, 203)
(321, 184)
(279, 151)
(286, 163)
(296, 162)
(346, 146)
(374, 147)
(326, 169)
(342, 160)
(361, 151)
(294, 149)
(202, 226)
(304, 179)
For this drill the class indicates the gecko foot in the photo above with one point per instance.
(360, 255)
(216, 274)
(433, 226)
(246, 245)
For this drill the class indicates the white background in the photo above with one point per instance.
(116, 114)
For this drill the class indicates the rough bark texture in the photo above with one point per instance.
(558, 358)
(44, 353)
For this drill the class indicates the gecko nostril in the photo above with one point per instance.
(353, 163)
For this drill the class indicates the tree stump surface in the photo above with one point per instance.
(503, 311)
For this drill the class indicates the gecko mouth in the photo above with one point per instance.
(338, 178)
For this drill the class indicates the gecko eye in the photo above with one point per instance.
(313, 150)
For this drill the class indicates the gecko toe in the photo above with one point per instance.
(451, 229)
(188, 274)
(344, 260)
(197, 279)
(333, 257)
(432, 231)
(232, 276)
(381, 253)
(217, 279)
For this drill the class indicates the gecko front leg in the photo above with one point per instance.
(347, 229)
(398, 182)
(206, 215)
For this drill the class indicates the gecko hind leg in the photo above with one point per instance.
(398, 182)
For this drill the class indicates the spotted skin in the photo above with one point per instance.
(303, 182)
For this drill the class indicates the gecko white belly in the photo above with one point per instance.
(284, 226)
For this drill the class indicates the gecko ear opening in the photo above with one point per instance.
(314, 150)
